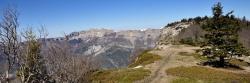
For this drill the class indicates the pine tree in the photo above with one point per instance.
(244, 19)
(221, 41)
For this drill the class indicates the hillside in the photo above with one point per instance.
(178, 64)
(191, 30)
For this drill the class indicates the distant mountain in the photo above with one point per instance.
(112, 49)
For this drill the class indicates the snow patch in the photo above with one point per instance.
(139, 66)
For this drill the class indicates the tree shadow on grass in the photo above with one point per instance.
(218, 64)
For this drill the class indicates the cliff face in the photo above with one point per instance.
(112, 49)
(169, 34)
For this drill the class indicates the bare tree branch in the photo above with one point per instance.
(8, 39)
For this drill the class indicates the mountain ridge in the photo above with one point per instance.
(112, 48)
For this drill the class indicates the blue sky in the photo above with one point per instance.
(75, 15)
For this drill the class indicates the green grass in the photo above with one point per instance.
(145, 58)
(208, 75)
(195, 55)
(119, 75)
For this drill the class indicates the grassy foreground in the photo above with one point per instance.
(119, 75)
(238, 62)
(196, 74)
(145, 58)
(197, 56)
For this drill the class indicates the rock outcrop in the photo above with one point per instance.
(169, 33)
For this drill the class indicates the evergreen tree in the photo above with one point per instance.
(198, 19)
(221, 40)
(244, 19)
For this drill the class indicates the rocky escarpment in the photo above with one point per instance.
(111, 49)
(169, 33)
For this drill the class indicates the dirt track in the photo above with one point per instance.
(169, 59)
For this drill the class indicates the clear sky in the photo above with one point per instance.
(75, 15)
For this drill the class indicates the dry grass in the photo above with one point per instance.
(145, 58)
(185, 80)
(207, 75)
(119, 75)
(195, 55)
(238, 62)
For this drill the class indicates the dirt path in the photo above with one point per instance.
(159, 74)
(170, 59)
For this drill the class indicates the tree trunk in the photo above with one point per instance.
(222, 62)
(7, 76)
